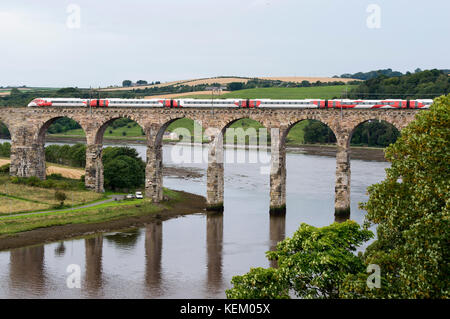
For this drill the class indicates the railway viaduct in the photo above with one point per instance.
(28, 127)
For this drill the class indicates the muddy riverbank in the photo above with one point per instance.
(189, 204)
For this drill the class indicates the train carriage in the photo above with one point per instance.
(367, 104)
(233, 103)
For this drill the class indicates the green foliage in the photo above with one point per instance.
(4, 132)
(412, 210)
(74, 155)
(126, 83)
(123, 168)
(318, 132)
(4, 168)
(426, 84)
(62, 125)
(374, 133)
(311, 264)
(234, 86)
(5, 149)
(61, 197)
(55, 181)
(372, 74)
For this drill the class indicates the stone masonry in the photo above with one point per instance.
(28, 127)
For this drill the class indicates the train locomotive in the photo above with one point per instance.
(232, 103)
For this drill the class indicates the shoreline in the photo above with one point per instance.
(189, 204)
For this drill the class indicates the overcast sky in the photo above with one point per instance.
(42, 44)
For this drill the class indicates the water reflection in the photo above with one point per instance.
(60, 250)
(214, 244)
(153, 255)
(93, 276)
(126, 239)
(277, 232)
(27, 270)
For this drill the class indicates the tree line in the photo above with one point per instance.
(421, 85)
(372, 133)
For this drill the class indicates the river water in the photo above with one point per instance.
(193, 256)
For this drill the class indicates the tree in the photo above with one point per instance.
(126, 83)
(412, 210)
(141, 82)
(60, 197)
(123, 168)
(312, 264)
(318, 132)
(123, 173)
(234, 86)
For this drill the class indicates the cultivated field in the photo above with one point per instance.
(173, 95)
(68, 172)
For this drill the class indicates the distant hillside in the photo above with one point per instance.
(226, 80)
(385, 72)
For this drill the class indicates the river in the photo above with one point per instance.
(197, 255)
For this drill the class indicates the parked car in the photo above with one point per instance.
(130, 196)
(139, 195)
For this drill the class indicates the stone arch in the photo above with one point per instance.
(43, 127)
(39, 141)
(100, 131)
(296, 121)
(397, 121)
(167, 122)
(234, 119)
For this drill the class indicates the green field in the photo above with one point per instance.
(317, 92)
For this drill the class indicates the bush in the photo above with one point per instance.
(61, 197)
(48, 184)
(55, 176)
(5, 149)
(33, 181)
(5, 168)
(15, 180)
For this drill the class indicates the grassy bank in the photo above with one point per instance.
(24, 230)
(101, 213)
(21, 198)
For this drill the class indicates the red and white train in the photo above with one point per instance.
(232, 103)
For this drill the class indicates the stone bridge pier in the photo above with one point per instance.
(93, 177)
(215, 173)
